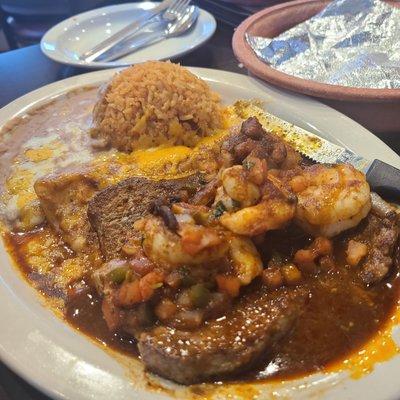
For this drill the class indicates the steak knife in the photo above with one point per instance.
(382, 177)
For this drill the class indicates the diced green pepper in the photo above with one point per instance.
(199, 295)
(118, 275)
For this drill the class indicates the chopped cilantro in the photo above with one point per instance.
(219, 209)
(248, 164)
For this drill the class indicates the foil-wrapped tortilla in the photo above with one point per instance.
(350, 43)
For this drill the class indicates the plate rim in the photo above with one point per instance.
(57, 56)
(48, 92)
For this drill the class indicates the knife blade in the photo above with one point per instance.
(128, 30)
(382, 177)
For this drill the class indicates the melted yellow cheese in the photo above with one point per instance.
(40, 252)
(20, 181)
(70, 270)
(156, 162)
(40, 154)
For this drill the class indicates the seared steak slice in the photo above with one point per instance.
(226, 345)
(113, 211)
(381, 234)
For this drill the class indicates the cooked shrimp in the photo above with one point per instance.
(221, 198)
(195, 244)
(331, 199)
(238, 187)
(245, 259)
(274, 210)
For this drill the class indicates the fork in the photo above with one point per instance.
(175, 11)
(167, 7)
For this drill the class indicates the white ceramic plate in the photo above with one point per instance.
(69, 39)
(66, 365)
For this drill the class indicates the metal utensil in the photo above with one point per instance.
(132, 28)
(172, 29)
(382, 178)
(172, 13)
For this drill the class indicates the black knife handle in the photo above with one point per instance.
(384, 179)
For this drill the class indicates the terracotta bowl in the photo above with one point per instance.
(376, 109)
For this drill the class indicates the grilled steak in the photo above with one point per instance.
(381, 233)
(113, 211)
(226, 345)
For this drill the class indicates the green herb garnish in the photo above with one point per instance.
(248, 164)
(219, 209)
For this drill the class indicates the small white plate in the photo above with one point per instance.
(72, 37)
(66, 365)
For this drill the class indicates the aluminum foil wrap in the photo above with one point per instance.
(350, 43)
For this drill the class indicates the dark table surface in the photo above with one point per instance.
(24, 70)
